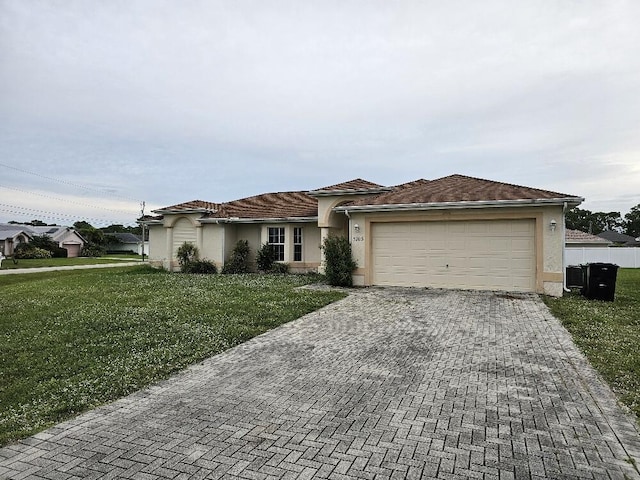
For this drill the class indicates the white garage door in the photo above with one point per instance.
(485, 255)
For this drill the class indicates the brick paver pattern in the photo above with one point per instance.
(388, 383)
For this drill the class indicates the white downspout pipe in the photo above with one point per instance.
(564, 246)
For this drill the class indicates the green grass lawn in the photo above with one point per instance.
(72, 340)
(609, 334)
(59, 262)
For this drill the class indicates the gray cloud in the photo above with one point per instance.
(169, 101)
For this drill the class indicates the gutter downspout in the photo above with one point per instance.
(346, 212)
(564, 247)
(224, 237)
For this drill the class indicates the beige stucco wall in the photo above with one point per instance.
(157, 245)
(211, 249)
(549, 243)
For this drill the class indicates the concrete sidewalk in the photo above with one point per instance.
(385, 384)
(13, 271)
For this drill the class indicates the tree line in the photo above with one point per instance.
(597, 222)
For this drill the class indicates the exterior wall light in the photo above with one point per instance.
(356, 227)
(552, 225)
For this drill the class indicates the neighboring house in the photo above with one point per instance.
(582, 248)
(10, 238)
(578, 239)
(124, 242)
(65, 237)
(619, 239)
(453, 232)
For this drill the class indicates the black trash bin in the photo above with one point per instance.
(575, 276)
(600, 281)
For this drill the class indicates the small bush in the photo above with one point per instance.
(201, 266)
(92, 250)
(28, 251)
(282, 268)
(187, 254)
(339, 263)
(265, 257)
(239, 260)
(59, 252)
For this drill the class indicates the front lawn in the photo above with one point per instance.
(609, 334)
(70, 341)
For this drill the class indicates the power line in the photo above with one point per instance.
(25, 211)
(64, 182)
(64, 200)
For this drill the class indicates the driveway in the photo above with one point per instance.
(388, 383)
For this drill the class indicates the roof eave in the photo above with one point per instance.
(259, 220)
(570, 201)
(150, 222)
(164, 211)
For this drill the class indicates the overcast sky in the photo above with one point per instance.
(104, 104)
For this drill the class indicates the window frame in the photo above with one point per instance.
(279, 245)
(298, 239)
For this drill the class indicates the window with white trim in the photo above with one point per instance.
(297, 244)
(276, 240)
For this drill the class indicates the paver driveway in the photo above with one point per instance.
(388, 383)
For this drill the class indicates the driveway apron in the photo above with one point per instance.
(388, 383)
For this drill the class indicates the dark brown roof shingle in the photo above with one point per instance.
(192, 205)
(457, 188)
(355, 184)
(270, 205)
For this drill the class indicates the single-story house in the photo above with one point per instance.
(579, 239)
(10, 238)
(452, 232)
(65, 237)
(124, 242)
(620, 239)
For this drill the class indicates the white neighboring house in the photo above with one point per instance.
(126, 242)
(11, 236)
(66, 237)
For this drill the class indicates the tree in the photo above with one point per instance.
(593, 222)
(632, 222)
(91, 234)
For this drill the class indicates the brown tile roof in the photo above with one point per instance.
(270, 205)
(576, 236)
(192, 205)
(355, 184)
(458, 188)
(414, 183)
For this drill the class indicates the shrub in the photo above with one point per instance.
(201, 266)
(27, 251)
(59, 252)
(239, 260)
(187, 254)
(189, 259)
(282, 268)
(339, 263)
(92, 250)
(265, 257)
(43, 241)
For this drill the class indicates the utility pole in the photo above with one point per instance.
(142, 226)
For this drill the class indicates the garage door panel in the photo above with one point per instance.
(495, 254)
